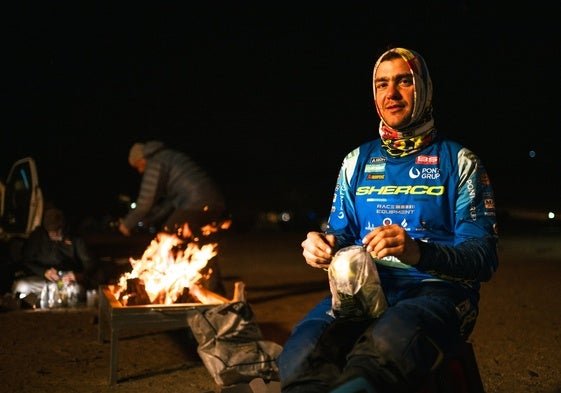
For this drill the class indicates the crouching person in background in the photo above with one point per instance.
(55, 261)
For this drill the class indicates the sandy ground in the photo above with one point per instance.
(516, 341)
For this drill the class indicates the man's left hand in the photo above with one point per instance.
(392, 240)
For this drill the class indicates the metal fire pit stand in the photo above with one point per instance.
(113, 317)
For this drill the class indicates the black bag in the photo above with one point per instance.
(231, 345)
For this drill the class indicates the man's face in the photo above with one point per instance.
(395, 92)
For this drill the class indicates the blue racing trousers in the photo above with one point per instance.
(424, 324)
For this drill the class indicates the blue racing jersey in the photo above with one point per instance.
(441, 196)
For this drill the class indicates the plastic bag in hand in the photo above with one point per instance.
(355, 284)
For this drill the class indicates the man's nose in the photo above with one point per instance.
(393, 91)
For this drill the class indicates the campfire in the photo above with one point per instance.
(168, 272)
(160, 292)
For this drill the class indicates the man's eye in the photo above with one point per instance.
(406, 81)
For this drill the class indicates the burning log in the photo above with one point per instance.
(208, 297)
(205, 296)
(186, 297)
(136, 294)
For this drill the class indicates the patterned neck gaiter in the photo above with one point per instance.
(400, 147)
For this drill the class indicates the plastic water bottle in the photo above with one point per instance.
(50, 297)
(72, 292)
(62, 290)
(44, 300)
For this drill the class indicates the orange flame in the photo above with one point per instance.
(166, 268)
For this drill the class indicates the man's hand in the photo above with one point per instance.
(392, 240)
(123, 229)
(318, 249)
(68, 278)
(51, 274)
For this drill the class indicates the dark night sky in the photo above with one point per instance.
(268, 97)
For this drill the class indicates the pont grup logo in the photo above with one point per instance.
(430, 173)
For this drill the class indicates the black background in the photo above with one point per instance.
(269, 97)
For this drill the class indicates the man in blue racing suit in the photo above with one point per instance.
(423, 206)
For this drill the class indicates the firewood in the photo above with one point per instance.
(186, 297)
(239, 292)
(135, 294)
(205, 296)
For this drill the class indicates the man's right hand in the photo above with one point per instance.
(123, 229)
(318, 249)
(51, 274)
